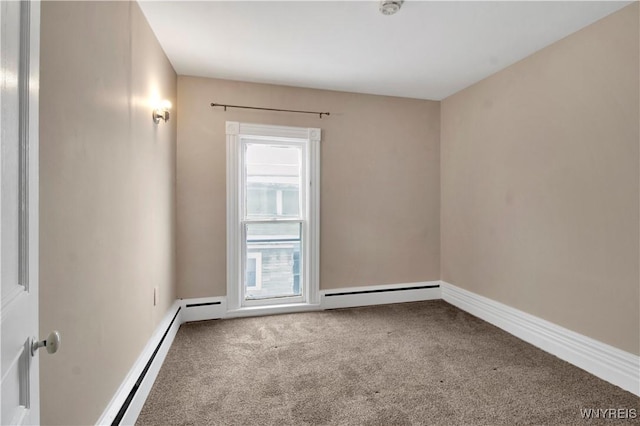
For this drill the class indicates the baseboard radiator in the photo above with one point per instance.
(126, 404)
(136, 386)
(379, 295)
(204, 308)
(386, 290)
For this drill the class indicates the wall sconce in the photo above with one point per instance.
(162, 112)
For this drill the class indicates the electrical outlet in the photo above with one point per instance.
(156, 296)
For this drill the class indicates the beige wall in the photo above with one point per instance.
(380, 189)
(540, 183)
(107, 200)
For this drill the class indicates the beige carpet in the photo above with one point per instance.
(405, 364)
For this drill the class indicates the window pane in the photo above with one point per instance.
(272, 260)
(290, 202)
(272, 174)
(261, 200)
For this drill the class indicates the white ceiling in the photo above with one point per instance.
(428, 50)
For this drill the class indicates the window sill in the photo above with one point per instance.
(250, 311)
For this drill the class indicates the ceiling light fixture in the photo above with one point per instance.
(389, 7)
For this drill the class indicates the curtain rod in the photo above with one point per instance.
(271, 109)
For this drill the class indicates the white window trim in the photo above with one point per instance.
(235, 131)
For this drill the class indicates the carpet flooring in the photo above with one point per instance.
(423, 363)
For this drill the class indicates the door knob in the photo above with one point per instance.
(52, 343)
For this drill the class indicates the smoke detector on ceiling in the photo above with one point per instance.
(389, 7)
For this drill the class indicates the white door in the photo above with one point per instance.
(19, 54)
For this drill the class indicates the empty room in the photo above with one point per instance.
(320, 212)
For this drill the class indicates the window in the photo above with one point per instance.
(272, 215)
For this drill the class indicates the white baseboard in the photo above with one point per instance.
(203, 308)
(379, 294)
(604, 361)
(161, 340)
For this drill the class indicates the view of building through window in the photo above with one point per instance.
(273, 260)
(273, 225)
